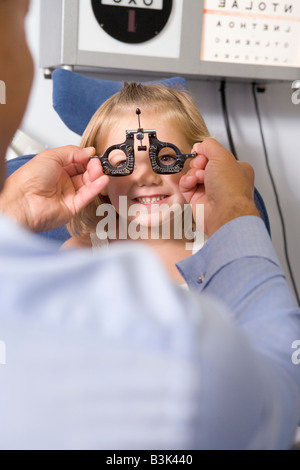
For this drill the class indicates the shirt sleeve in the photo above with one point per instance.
(239, 266)
(105, 352)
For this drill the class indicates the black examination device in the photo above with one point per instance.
(165, 158)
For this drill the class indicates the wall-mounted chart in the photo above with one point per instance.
(140, 27)
(132, 21)
(251, 32)
(210, 39)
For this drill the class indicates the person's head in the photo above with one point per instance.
(176, 119)
(16, 71)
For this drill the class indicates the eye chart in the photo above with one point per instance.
(234, 39)
(251, 32)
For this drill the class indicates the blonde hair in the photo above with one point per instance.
(174, 104)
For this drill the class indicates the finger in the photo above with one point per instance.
(69, 154)
(196, 147)
(213, 150)
(199, 162)
(75, 169)
(200, 176)
(192, 178)
(187, 183)
(91, 172)
(94, 169)
(86, 194)
(86, 179)
(84, 155)
(191, 172)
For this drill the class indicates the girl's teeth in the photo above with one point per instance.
(149, 200)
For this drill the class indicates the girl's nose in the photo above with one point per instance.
(143, 173)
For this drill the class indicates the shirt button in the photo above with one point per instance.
(200, 279)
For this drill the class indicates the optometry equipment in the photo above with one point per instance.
(235, 39)
(165, 158)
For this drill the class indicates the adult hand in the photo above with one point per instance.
(217, 180)
(54, 186)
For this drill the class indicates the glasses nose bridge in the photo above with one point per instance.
(141, 152)
(143, 171)
(143, 166)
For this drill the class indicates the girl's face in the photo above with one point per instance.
(143, 187)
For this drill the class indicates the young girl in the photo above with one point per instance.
(151, 200)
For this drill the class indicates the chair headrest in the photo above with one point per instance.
(76, 97)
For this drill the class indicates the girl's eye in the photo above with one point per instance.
(117, 158)
(120, 163)
(167, 156)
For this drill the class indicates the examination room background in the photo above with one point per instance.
(281, 127)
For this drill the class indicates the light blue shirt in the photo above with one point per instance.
(105, 352)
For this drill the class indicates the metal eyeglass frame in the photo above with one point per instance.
(155, 146)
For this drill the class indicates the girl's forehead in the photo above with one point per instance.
(131, 117)
(148, 119)
(113, 130)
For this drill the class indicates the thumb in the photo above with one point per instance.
(88, 192)
(213, 150)
(69, 154)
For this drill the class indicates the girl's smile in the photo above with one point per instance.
(153, 199)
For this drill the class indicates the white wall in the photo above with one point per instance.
(281, 124)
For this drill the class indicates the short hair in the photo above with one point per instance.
(174, 104)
